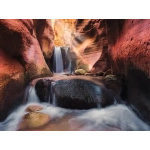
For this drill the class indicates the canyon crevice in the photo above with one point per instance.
(118, 46)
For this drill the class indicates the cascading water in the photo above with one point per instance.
(53, 97)
(32, 96)
(58, 62)
(67, 61)
(114, 117)
(62, 62)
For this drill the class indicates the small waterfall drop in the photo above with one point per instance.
(58, 62)
(69, 67)
(31, 96)
(53, 100)
(67, 61)
(62, 61)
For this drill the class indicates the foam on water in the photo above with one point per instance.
(32, 96)
(115, 116)
(13, 120)
(119, 116)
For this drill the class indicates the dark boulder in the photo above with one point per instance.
(81, 94)
(42, 88)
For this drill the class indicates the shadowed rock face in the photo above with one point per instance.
(81, 94)
(43, 88)
(45, 36)
(74, 93)
(21, 60)
(129, 51)
(138, 93)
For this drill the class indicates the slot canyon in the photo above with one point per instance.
(74, 74)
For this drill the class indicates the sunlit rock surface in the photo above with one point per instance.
(33, 120)
(92, 43)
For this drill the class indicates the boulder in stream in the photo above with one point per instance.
(80, 72)
(81, 94)
(33, 120)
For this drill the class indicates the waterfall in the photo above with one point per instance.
(53, 99)
(58, 62)
(31, 96)
(69, 67)
(67, 61)
(62, 62)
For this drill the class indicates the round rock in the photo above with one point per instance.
(33, 120)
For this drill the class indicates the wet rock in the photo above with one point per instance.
(111, 77)
(80, 72)
(42, 88)
(33, 120)
(108, 72)
(115, 83)
(81, 94)
(33, 108)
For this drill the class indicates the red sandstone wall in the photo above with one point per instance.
(21, 58)
(131, 45)
(129, 52)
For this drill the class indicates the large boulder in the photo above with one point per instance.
(81, 94)
(21, 60)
